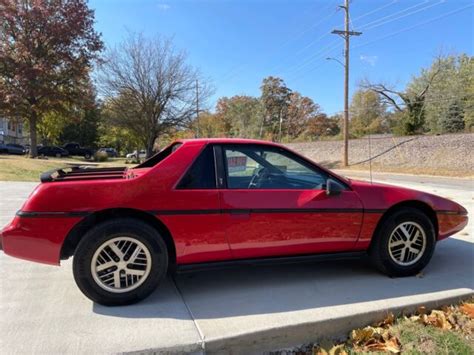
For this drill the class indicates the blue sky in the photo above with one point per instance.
(236, 43)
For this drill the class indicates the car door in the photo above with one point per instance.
(194, 217)
(275, 203)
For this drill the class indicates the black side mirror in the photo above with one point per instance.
(333, 188)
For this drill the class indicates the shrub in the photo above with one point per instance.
(101, 156)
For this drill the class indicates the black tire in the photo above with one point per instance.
(105, 231)
(87, 156)
(379, 250)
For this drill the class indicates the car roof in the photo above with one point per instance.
(227, 141)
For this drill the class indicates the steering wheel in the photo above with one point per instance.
(258, 177)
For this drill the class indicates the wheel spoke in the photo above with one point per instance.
(397, 243)
(135, 272)
(405, 232)
(134, 255)
(106, 265)
(116, 250)
(117, 279)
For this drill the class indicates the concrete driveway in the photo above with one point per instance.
(239, 310)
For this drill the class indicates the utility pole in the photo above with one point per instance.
(346, 34)
(197, 108)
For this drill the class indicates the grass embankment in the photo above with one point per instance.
(22, 168)
(449, 330)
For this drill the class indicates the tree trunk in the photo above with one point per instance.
(33, 138)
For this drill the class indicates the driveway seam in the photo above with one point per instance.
(196, 325)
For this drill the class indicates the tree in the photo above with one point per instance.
(368, 113)
(240, 116)
(301, 110)
(453, 120)
(46, 51)
(454, 83)
(409, 103)
(275, 99)
(83, 130)
(149, 88)
(210, 125)
(321, 126)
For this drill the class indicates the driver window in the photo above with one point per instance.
(260, 167)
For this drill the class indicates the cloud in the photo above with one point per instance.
(369, 59)
(164, 7)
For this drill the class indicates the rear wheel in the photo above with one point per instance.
(120, 262)
(404, 244)
(87, 156)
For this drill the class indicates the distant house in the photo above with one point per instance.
(12, 131)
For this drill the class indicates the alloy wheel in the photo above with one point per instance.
(121, 264)
(407, 243)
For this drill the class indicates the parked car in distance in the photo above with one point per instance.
(111, 152)
(76, 150)
(11, 148)
(205, 201)
(133, 156)
(52, 151)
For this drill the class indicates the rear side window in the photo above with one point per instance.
(202, 174)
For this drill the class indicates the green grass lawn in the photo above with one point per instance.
(22, 168)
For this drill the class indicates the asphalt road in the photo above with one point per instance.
(42, 311)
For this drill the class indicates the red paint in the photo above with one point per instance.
(220, 225)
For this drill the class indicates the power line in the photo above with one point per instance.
(414, 26)
(321, 53)
(236, 70)
(366, 28)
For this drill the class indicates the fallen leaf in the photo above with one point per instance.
(337, 350)
(421, 310)
(387, 321)
(468, 309)
(420, 275)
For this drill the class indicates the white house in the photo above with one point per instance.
(12, 132)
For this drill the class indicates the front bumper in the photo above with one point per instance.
(36, 239)
(450, 223)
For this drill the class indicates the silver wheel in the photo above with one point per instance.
(121, 264)
(407, 243)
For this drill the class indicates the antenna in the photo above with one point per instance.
(370, 159)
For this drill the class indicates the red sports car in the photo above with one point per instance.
(204, 201)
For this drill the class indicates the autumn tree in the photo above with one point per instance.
(47, 49)
(240, 115)
(322, 126)
(301, 110)
(275, 98)
(149, 88)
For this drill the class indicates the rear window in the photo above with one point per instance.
(160, 156)
(202, 174)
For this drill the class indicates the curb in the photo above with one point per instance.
(294, 335)
(304, 332)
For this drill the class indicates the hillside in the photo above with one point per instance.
(450, 154)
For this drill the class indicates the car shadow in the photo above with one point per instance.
(254, 290)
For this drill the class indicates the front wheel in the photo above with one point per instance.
(120, 262)
(404, 243)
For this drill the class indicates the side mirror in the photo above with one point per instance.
(333, 188)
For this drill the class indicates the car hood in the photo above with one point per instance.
(383, 196)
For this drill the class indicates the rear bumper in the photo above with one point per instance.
(36, 239)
